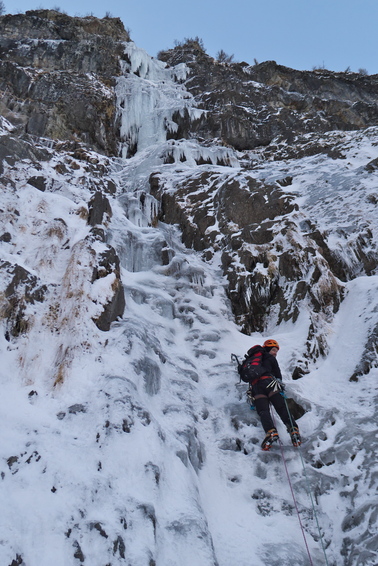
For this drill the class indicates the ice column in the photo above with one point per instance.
(147, 97)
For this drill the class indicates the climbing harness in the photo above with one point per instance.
(307, 487)
(276, 385)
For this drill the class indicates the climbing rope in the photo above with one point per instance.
(307, 485)
(292, 491)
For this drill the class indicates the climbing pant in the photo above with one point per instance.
(263, 398)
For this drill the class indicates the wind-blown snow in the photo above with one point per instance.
(147, 453)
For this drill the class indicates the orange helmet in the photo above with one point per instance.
(271, 344)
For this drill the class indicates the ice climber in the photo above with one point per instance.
(266, 390)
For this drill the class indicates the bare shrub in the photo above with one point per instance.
(191, 43)
(223, 57)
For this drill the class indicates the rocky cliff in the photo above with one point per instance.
(58, 75)
(250, 106)
(275, 256)
(156, 215)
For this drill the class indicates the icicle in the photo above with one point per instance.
(150, 208)
(191, 153)
(147, 98)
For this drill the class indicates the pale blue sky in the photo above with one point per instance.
(301, 34)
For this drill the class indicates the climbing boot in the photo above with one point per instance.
(295, 436)
(271, 436)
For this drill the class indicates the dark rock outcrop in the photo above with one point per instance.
(52, 24)
(272, 268)
(99, 208)
(369, 358)
(39, 182)
(250, 106)
(22, 292)
(13, 149)
(108, 264)
(244, 213)
(73, 97)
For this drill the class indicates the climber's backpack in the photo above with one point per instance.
(251, 367)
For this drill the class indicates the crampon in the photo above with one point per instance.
(270, 438)
(295, 436)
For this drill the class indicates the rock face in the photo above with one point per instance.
(250, 106)
(108, 264)
(146, 207)
(276, 260)
(23, 289)
(57, 75)
(273, 267)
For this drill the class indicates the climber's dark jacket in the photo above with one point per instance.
(271, 365)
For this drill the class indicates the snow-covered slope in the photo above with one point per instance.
(136, 446)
